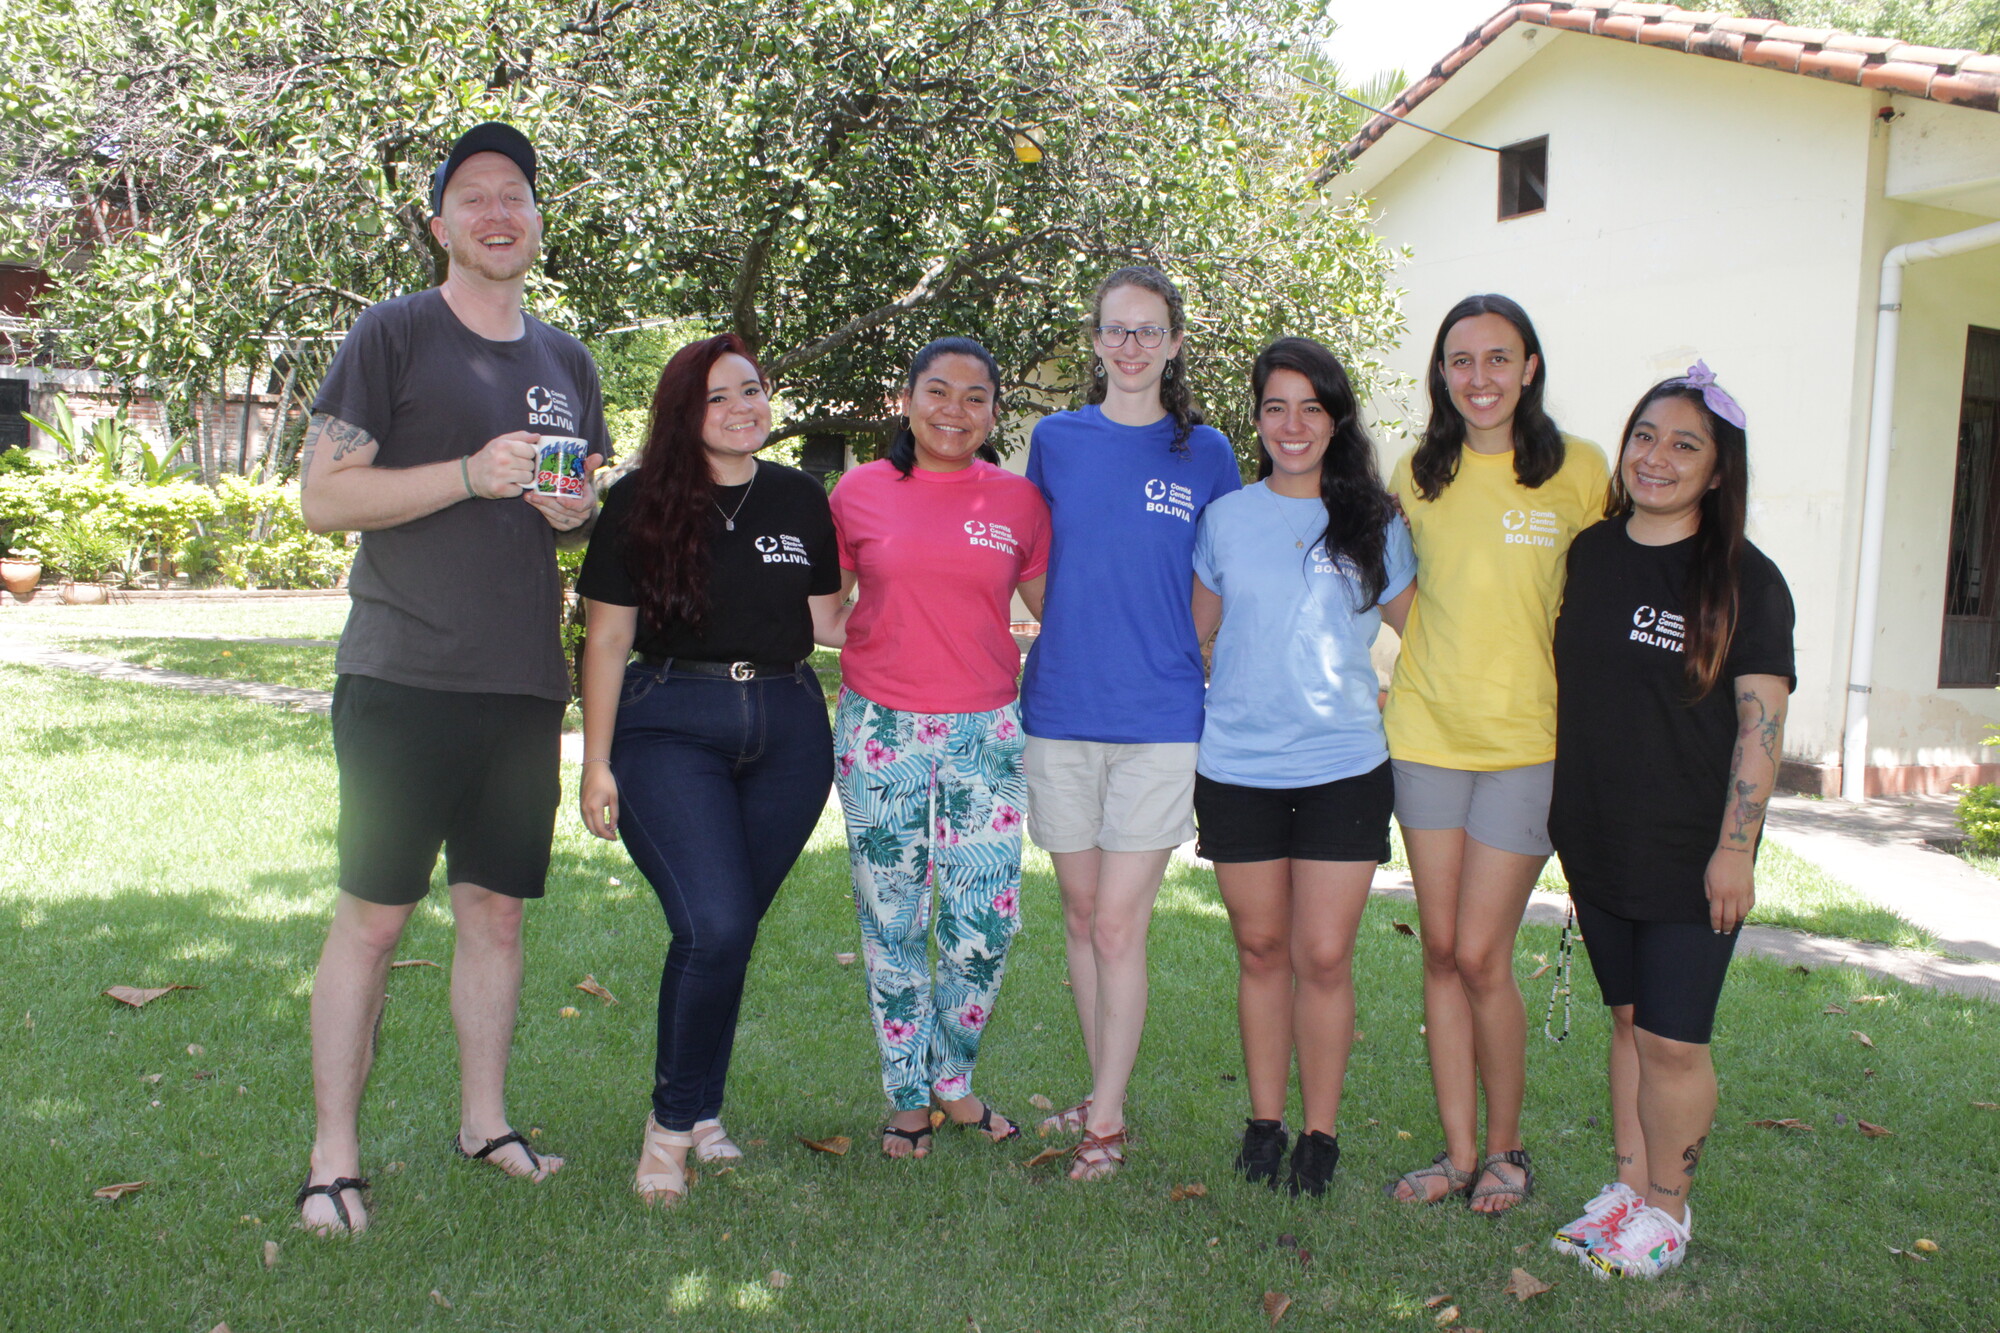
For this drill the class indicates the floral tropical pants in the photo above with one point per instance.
(933, 800)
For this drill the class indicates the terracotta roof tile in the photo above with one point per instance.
(1900, 76)
(1962, 78)
(1838, 66)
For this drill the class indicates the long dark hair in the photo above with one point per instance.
(1358, 509)
(1718, 543)
(903, 449)
(1175, 393)
(667, 546)
(1538, 445)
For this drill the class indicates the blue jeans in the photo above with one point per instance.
(719, 785)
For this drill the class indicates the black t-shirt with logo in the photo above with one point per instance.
(467, 598)
(1642, 775)
(782, 551)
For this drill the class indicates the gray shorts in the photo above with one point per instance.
(1507, 808)
(1123, 798)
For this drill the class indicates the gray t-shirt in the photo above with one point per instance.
(468, 598)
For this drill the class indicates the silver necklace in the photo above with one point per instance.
(1297, 541)
(729, 518)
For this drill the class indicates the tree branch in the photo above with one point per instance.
(830, 425)
(935, 282)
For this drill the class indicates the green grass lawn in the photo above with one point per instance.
(148, 837)
(292, 618)
(273, 664)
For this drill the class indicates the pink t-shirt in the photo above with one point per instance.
(937, 556)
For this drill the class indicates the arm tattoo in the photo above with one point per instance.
(1747, 812)
(1692, 1157)
(346, 438)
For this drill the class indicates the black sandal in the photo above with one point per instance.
(1517, 1157)
(985, 1124)
(494, 1145)
(332, 1190)
(916, 1138)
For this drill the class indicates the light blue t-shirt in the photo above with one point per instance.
(1117, 659)
(1293, 699)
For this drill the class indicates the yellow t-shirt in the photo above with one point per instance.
(1475, 686)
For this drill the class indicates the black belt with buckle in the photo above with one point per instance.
(737, 671)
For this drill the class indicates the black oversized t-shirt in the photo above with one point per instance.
(782, 551)
(468, 598)
(1642, 775)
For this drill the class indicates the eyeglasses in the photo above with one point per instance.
(1148, 335)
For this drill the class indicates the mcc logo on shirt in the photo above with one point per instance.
(1171, 499)
(783, 549)
(1541, 525)
(993, 536)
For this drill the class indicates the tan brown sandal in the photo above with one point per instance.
(1071, 1121)
(1099, 1156)
(660, 1181)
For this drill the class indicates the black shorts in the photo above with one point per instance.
(1343, 820)
(1670, 972)
(476, 774)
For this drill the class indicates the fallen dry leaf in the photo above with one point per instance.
(392, 1168)
(1868, 1073)
(615, 882)
(1907, 1254)
(1305, 1258)
(1870, 999)
(1041, 1103)
(1833, 1009)
(411, 962)
(219, 1328)
(28, 1019)
(1403, 928)
(141, 996)
(567, 1011)
(1523, 1285)
(1986, 1106)
(1404, 1134)
(836, 1146)
(1371, 1120)
(270, 1254)
(1787, 1123)
(758, 1143)
(591, 986)
(1538, 971)
(1214, 1241)
(1275, 1305)
(937, 1118)
(844, 959)
(1433, 1302)
(1802, 969)
(196, 1049)
(119, 1191)
(1873, 1131)
(437, 1299)
(1045, 1156)
(151, 1078)
(1197, 1190)
(1927, 1246)
(778, 1279)
(1448, 1315)
(1862, 1037)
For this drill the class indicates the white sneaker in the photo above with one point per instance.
(1647, 1244)
(1601, 1216)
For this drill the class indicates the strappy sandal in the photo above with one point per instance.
(332, 1190)
(984, 1124)
(659, 1180)
(918, 1139)
(1458, 1182)
(534, 1170)
(1517, 1157)
(1071, 1121)
(713, 1144)
(1099, 1156)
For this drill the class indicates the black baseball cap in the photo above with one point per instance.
(491, 137)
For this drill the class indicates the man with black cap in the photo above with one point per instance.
(447, 715)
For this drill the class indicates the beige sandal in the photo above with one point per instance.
(660, 1180)
(1457, 1183)
(713, 1144)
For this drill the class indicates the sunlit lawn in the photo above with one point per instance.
(148, 837)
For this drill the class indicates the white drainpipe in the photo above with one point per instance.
(1875, 495)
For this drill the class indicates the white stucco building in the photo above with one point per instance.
(1676, 184)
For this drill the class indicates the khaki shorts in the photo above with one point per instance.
(1122, 798)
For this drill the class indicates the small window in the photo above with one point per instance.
(1524, 178)
(13, 403)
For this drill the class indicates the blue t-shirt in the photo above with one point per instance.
(1117, 659)
(1293, 701)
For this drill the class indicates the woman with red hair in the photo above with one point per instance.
(719, 570)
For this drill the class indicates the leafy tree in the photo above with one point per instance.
(836, 180)
(1969, 24)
